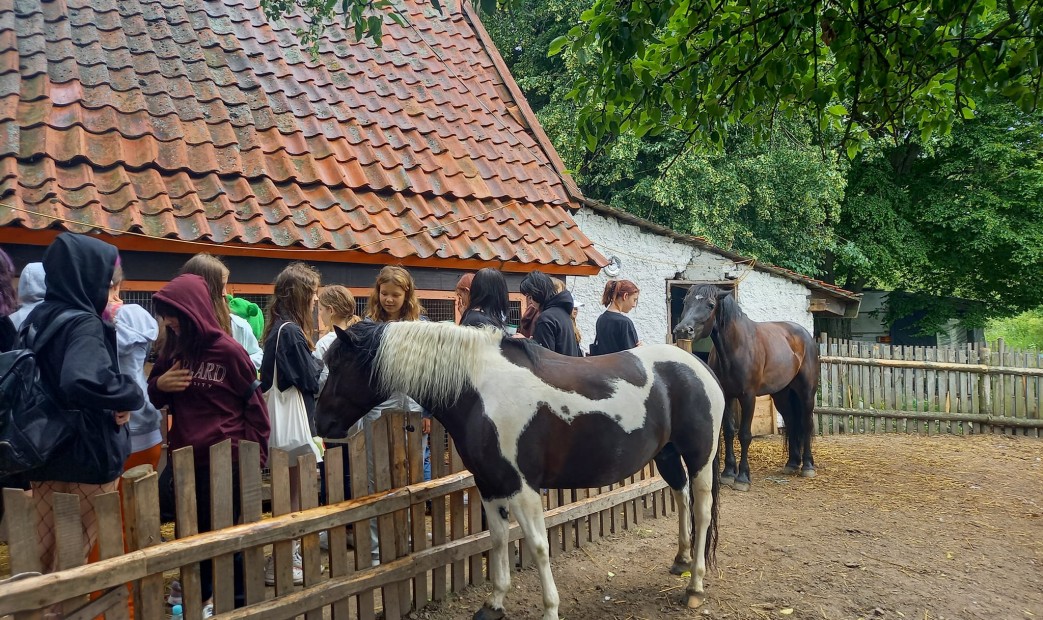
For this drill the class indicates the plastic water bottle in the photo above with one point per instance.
(176, 613)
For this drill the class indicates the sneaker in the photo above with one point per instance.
(208, 610)
(175, 598)
(298, 568)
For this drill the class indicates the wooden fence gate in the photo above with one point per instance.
(423, 557)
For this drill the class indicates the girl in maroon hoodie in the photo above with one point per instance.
(210, 385)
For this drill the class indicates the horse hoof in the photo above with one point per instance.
(741, 486)
(789, 470)
(488, 613)
(807, 473)
(694, 600)
(680, 568)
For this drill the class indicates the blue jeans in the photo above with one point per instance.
(427, 457)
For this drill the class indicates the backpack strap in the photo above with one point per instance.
(35, 340)
(248, 394)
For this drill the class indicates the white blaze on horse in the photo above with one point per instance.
(524, 418)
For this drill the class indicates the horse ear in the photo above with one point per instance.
(726, 293)
(342, 335)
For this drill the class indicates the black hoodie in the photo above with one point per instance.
(79, 363)
(554, 326)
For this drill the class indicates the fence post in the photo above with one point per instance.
(984, 387)
(183, 462)
(141, 529)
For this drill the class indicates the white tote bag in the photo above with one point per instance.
(289, 418)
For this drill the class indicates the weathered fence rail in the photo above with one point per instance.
(875, 388)
(423, 557)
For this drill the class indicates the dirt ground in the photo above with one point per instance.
(925, 528)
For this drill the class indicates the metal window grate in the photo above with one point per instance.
(260, 300)
(440, 309)
(514, 314)
(141, 298)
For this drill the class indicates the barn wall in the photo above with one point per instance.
(764, 297)
(651, 260)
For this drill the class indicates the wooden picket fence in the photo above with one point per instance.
(423, 557)
(876, 388)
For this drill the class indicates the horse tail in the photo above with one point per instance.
(800, 425)
(710, 548)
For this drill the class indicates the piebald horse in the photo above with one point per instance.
(524, 418)
(752, 359)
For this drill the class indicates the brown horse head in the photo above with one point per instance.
(700, 311)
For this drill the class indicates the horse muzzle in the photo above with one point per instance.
(684, 332)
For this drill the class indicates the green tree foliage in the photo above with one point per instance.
(776, 199)
(1024, 331)
(961, 217)
(864, 68)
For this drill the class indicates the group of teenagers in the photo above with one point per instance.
(212, 363)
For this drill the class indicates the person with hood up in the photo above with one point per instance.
(209, 383)
(553, 329)
(214, 272)
(31, 289)
(80, 366)
(136, 331)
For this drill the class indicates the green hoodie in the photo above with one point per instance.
(249, 311)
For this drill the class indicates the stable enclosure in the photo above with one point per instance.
(423, 556)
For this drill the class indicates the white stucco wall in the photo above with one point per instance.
(651, 260)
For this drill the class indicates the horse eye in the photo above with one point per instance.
(712, 305)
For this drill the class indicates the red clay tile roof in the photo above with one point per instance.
(200, 120)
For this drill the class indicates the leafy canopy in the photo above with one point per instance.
(863, 69)
(959, 217)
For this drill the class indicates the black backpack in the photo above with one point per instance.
(33, 423)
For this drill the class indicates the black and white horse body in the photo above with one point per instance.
(524, 418)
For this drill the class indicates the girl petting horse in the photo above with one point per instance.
(525, 418)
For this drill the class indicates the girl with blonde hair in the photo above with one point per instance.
(336, 309)
(394, 297)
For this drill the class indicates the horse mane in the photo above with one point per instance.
(432, 362)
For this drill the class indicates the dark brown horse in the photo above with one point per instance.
(524, 418)
(752, 359)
